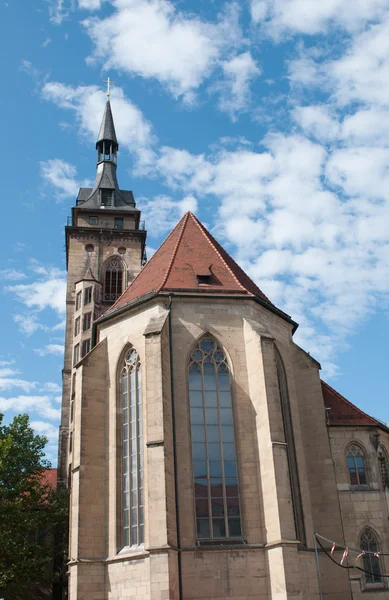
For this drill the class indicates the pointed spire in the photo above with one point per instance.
(107, 128)
(106, 192)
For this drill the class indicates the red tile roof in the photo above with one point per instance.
(343, 412)
(190, 261)
(49, 477)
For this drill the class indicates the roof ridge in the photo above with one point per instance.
(204, 232)
(143, 268)
(185, 220)
(348, 402)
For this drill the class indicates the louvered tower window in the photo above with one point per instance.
(106, 197)
(213, 443)
(113, 280)
(133, 503)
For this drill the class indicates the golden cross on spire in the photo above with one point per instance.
(109, 83)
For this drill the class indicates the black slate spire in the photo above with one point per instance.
(107, 129)
(106, 192)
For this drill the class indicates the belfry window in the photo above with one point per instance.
(106, 197)
(213, 443)
(356, 465)
(371, 563)
(113, 280)
(133, 503)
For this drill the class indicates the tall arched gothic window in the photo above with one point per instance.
(371, 563)
(291, 450)
(356, 465)
(133, 503)
(113, 280)
(213, 443)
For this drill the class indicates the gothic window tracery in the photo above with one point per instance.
(133, 497)
(113, 280)
(213, 443)
(371, 563)
(356, 465)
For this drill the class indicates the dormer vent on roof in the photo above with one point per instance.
(203, 275)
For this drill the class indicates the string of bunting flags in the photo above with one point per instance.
(347, 550)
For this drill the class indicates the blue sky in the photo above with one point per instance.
(268, 118)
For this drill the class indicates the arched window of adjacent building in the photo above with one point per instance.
(371, 564)
(213, 443)
(131, 397)
(113, 279)
(356, 465)
(290, 448)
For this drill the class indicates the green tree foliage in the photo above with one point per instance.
(31, 512)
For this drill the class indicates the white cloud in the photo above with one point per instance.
(311, 17)
(152, 39)
(234, 90)
(162, 213)
(9, 379)
(47, 292)
(47, 429)
(56, 349)
(46, 43)
(57, 11)
(62, 176)
(317, 121)
(90, 4)
(87, 103)
(12, 274)
(42, 405)
(52, 388)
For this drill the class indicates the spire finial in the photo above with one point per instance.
(109, 83)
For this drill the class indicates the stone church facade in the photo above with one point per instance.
(200, 446)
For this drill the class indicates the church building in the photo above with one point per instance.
(205, 457)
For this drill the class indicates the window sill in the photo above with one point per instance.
(361, 488)
(377, 588)
(130, 553)
(218, 543)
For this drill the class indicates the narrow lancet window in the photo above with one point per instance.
(371, 563)
(133, 504)
(290, 449)
(113, 280)
(213, 443)
(356, 465)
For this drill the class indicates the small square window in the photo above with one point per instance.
(76, 353)
(88, 295)
(77, 326)
(85, 347)
(87, 321)
(78, 300)
(118, 223)
(93, 220)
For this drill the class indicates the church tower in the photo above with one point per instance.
(105, 248)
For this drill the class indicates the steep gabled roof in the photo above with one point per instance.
(191, 261)
(343, 412)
